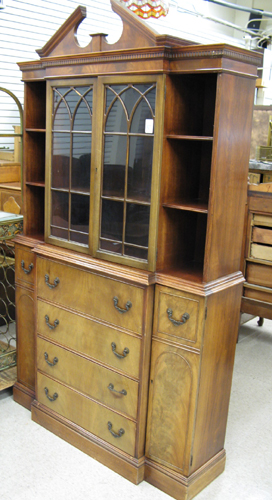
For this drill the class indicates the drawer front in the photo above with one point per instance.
(90, 337)
(24, 265)
(258, 294)
(112, 301)
(262, 252)
(259, 274)
(178, 315)
(102, 384)
(87, 414)
(262, 235)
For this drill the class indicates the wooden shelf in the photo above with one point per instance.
(191, 206)
(36, 130)
(189, 137)
(36, 183)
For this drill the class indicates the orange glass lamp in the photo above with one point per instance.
(146, 9)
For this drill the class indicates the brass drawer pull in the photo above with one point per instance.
(120, 356)
(52, 327)
(53, 363)
(123, 392)
(127, 306)
(30, 267)
(115, 434)
(51, 398)
(56, 282)
(175, 322)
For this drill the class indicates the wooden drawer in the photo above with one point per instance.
(91, 294)
(90, 337)
(90, 378)
(258, 293)
(177, 316)
(259, 274)
(24, 265)
(86, 413)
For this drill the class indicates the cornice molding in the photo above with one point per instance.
(158, 52)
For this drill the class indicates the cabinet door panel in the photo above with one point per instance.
(173, 388)
(25, 337)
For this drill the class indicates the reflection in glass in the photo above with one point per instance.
(117, 119)
(112, 220)
(59, 232)
(60, 160)
(81, 162)
(82, 120)
(60, 209)
(62, 117)
(111, 246)
(80, 212)
(137, 224)
(115, 152)
(139, 253)
(79, 238)
(111, 94)
(140, 167)
(142, 113)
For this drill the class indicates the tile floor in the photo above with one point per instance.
(37, 465)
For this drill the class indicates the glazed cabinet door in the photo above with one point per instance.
(68, 162)
(172, 400)
(127, 187)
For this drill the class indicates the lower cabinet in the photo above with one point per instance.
(136, 374)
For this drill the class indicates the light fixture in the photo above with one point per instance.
(148, 8)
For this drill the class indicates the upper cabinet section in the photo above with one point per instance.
(142, 148)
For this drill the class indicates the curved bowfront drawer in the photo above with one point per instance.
(178, 316)
(110, 300)
(79, 409)
(102, 384)
(24, 265)
(103, 343)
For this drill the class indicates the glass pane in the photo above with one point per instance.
(111, 94)
(139, 253)
(130, 97)
(60, 209)
(137, 224)
(79, 238)
(59, 233)
(111, 246)
(140, 168)
(117, 119)
(142, 113)
(62, 119)
(60, 160)
(82, 118)
(80, 212)
(58, 92)
(115, 151)
(72, 99)
(112, 220)
(81, 162)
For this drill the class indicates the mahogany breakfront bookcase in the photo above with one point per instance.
(128, 272)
